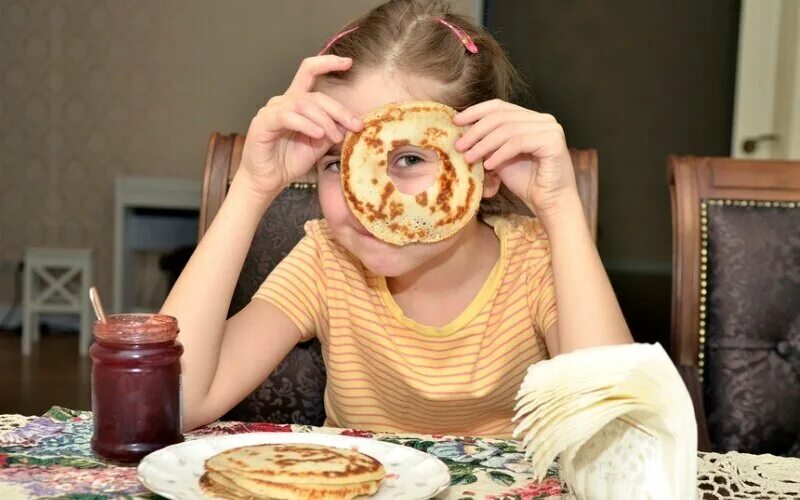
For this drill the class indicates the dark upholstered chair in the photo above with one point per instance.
(736, 300)
(294, 392)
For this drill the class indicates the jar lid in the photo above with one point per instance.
(137, 328)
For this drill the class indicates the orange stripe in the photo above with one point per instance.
(440, 418)
(304, 323)
(382, 311)
(445, 417)
(390, 380)
(537, 275)
(328, 258)
(497, 340)
(506, 388)
(383, 314)
(443, 340)
(396, 327)
(397, 399)
(487, 360)
(305, 299)
(508, 394)
(308, 254)
(349, 285)
(384, 339)
(316, 276)
(513, 375)
(503, 392)
(462, 410)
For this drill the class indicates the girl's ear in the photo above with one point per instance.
(491, 183)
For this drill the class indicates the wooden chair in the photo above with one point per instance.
(294, 392)
(736, 299)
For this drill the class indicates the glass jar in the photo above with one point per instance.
(136, 395)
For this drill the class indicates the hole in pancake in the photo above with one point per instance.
(412, 169)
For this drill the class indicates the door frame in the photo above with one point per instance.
(767, 96)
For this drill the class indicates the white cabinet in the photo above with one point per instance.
(152, 214)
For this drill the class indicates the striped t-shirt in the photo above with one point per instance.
(388, 373)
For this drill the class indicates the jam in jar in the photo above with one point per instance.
(136, 396)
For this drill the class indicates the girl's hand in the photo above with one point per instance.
(526, 149)
(294, 130)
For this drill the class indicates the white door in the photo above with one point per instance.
(767, 107)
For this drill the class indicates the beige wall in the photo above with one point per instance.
(90, 89)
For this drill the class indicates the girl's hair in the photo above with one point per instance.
(407, 37)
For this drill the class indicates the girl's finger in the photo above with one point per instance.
(478, 111)
(485, 125)
(544, 118)
(504, 132)
(532, 144)
(315, 113)
(510, 149)
(312, 67)
(298, 123)
(338, 111)
(491, 142)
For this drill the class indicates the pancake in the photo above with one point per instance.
(235, 486)
(221, 487)
(291, 471)
(432, 215)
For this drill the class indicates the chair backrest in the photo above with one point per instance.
(225, 153)
(736, 299)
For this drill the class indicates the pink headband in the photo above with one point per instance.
(462, 35)
(336, 38)
(469, 44)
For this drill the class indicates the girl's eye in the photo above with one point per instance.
(409, 161)
(332, 166)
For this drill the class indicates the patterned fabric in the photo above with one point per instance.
(752, 378)
(59, 463)
(11, 422)
(387, 372)
(293, 393)
(741, 475)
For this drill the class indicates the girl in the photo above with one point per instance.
(427, 338)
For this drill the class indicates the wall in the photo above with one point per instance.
(92, 89)
(638, 81)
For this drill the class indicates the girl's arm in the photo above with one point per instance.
(225, 360)
(588, 311)
(528, 152)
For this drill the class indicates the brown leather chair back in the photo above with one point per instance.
(294, 392)
(736, 299)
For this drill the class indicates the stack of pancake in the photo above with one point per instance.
(291, 471)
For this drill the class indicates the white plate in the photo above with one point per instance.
(174, 471)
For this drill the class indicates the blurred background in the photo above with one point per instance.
(106, 107)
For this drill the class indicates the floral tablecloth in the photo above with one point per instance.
(50, 457)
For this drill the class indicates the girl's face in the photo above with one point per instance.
(411, 168)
